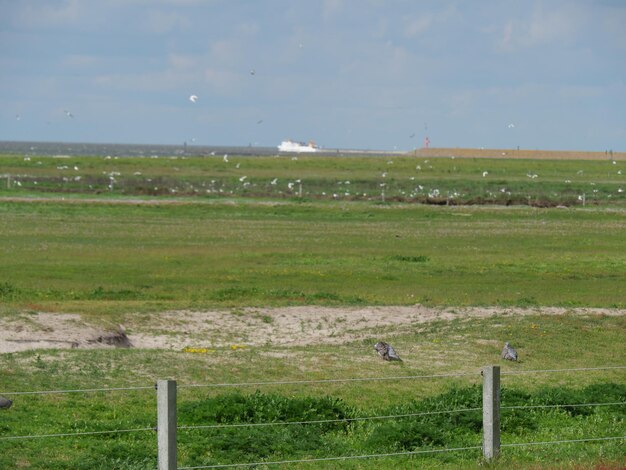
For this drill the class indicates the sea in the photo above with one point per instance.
(125, 150)
(149, 150)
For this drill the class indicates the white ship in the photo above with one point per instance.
(298, 147)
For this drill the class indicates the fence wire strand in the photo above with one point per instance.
(296, 382)
(563, 441)
(397, 454)
(325, 421)
(82, 390)
(529, 407)
(577, 369)
(321, 381)
(69, 434)
(327, 459)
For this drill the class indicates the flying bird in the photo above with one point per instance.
(386, 351)
(193, 98)
(5, 403)
(226, 157)
(68, 114)
(508, 352)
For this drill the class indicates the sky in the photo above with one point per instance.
(364, 74)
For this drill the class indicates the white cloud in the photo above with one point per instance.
(578, 92)
(418, 25)
(222, 81)
(331, 9)
(544, 27)
(81, 60)
(161, 22)
(64, 13)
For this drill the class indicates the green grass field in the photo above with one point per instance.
(113, 249)
(437, 180)
(90, 257)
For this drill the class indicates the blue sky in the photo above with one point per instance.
(345, 73)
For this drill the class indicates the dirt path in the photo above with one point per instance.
(290, 326)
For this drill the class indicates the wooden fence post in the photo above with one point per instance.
(166, 424)
(491, 412)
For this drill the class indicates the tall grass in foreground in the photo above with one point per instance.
(543, 343)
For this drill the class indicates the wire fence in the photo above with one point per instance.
(308, 382)
(398, 454)
(72, 434)
(326, 421)
(326, 381)
(80, 390)
(355, 419)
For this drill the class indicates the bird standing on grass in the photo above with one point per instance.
(386, 351)
(5, 403)
(508, 352)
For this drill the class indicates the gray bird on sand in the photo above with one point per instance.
(508, 352)
(5, 403)
(386, 351)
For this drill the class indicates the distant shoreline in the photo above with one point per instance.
(150, 150)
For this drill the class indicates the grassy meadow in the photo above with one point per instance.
(95, 257)
(113, 238)
(432, 180)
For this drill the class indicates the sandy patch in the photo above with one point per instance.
(249, 327)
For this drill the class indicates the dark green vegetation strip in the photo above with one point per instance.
(99, 257)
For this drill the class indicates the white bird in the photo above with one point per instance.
(193, 98)
(242, 179)
(68, 114)
(485, 173)
(274, 181)
(226, 157)
(511, 126)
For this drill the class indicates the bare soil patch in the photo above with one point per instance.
(249, 327)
